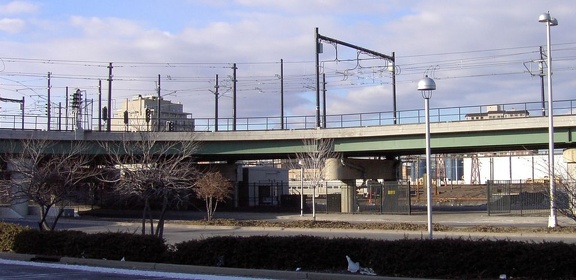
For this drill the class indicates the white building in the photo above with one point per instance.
(512, 167)
(496, 112)
(132, 115)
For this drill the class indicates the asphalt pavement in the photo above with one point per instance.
(469, 218)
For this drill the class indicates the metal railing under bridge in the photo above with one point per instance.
(364, 119)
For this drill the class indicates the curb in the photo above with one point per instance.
(190, 269)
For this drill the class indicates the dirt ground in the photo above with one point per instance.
(453, 193)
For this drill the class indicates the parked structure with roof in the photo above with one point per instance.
(141, 114)
(496, 112)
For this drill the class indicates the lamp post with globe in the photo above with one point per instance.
(426, 86)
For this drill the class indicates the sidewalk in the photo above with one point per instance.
(469, 217)
(448, 218)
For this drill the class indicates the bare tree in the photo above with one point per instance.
(564, 195)
(154, 171)
(213, 187)
(312, 159)
(47, 173)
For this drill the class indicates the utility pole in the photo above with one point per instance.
(59, 116)
(216, 86)
(281, 93)
(393, 61)
(108, 124)
(99, 105)
(159, 105)
(541, 68)
(317, 52)
(23, 106)
(324, 100)
(234, 97)
(48, 105)
(318, 42)
(66, 110)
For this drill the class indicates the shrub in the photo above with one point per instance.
(439, 258)
(132, 247)
(110, 245)
(50, 243)
(7, 234)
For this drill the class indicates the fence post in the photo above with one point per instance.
(488, 195)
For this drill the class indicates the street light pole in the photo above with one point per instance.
(550, 21)
(301, 189)
(426, 86)
(159, 105)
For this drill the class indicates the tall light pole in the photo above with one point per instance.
(426, 86)
(301, 188)
(550, 21)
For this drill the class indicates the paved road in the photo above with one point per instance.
(15, 269)
(176, 231)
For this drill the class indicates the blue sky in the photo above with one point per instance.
(478, 50)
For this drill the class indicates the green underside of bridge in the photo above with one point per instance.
(403, 145)
(458, 142)
(461, 141)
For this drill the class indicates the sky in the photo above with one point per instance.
(478, 52)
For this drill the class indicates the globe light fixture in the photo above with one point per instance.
(426, 86)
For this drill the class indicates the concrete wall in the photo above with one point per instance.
(352, 169)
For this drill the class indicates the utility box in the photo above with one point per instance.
(262, 186)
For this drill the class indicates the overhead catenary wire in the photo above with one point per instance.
(260, 77)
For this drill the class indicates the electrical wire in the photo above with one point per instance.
(341, 74)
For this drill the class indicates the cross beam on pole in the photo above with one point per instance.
(391, 58)
(10, 100)
(364, 50)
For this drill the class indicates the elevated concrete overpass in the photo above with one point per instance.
(387, 142)
(376, 141)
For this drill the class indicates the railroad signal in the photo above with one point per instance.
(104, 113)
(76, 99)
(125, 117)
(148, 115)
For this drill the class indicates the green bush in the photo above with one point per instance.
(440, 258)
(109, 245)
(7, 234)
(50, 243)
(132, 247)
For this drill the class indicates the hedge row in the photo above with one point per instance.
(107, 245)
(8, 233)
(439, 258)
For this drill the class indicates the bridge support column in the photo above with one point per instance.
(348, 195)
(570, 159)
(18, 201)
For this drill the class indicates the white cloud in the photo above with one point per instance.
(12, 25)
(479, 47)
(95, 27)
(18, 7)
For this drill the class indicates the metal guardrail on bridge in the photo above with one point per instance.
(365, 119)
